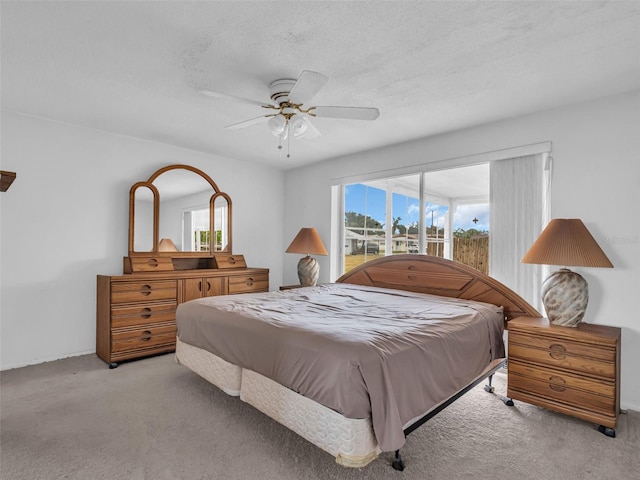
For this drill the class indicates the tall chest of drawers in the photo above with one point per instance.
(571, 370)
(136, 313)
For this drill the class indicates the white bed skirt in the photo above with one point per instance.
(351, 441)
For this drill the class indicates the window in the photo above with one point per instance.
(383, 217)
(454, 199)
(195, 228)
(196, 232)
(364, 237)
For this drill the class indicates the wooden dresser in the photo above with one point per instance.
(136, 313)
(571, 370)
(180, 249)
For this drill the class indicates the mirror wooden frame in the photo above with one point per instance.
(164, 257)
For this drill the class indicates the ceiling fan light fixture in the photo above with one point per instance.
(299, 125)
(277, 124)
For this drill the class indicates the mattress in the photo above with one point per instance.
(224, 375)
(352, 348)
(351, 441)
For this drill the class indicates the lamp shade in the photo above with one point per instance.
(567, 242)
(167, 245)
(307, 242)
(565, 294)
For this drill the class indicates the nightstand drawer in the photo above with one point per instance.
(559, 389)
(151, 336)
(557, 359)
(560, 347)
(559, 380)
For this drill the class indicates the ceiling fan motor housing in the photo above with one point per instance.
(280, 89)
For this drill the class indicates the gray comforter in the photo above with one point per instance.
(362, 351)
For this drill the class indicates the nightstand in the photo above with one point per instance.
(571, 370)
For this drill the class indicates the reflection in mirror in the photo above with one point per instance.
(184, 209)
(220, 225)
(143, 220)
(195, 230)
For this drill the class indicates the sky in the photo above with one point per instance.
(372, 202)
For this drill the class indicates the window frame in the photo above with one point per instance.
(338, 188)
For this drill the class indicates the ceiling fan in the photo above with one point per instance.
(288, 114)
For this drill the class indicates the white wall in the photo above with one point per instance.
(596, 148)
(65, 220)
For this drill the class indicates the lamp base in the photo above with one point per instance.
(565, 295)
(308, 271)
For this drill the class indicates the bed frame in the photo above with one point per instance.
(356, 445)
(437, 276)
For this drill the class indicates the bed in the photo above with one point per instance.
(354, 366)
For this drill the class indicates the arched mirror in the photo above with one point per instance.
(144, 199)
(179, 212)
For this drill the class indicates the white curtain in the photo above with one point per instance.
(520, 209)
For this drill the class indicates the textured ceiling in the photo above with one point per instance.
(135, 68)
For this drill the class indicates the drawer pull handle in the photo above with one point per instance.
(147, 336)
(200, 286)
(556, 379)
(146, 313)
(145, 290)
(249, 281)
(411, 267)
(411, 277)
(557, 351)
(232, 260)
(208, 286)
(153, 262)
(557, 388)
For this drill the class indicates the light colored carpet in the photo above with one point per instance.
(154, 419)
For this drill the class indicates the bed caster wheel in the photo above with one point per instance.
(489, 388)
(398, 462)
(113, 365)
(609, 432)
(508, 402)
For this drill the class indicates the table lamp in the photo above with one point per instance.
(167, 245)
(565, 294)
(308, 242)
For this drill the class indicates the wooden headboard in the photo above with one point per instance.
(437, 276)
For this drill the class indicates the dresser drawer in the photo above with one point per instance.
(145, 337)
(249, 283)
(143, 313)
(130, 292)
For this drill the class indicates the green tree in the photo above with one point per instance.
(472, 232)
(353, 219)
(396, 227)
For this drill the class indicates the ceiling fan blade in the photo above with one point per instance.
(351, 113)
(309, 83)
(248, 123)
(233, 98)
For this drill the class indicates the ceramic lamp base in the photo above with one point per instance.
(308, 271)
(565, 295)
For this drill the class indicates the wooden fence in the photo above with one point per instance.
(473, 252)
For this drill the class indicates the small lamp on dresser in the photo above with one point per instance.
(308, 242)
(565, 294)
